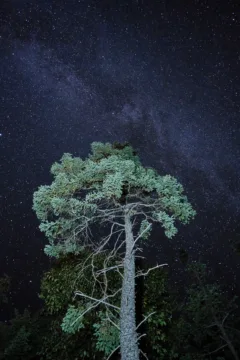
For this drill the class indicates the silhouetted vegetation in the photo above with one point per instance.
(202, 323)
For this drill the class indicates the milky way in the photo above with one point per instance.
(104, 80)
(198, 132)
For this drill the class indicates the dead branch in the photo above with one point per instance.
(150, 269)
(100, 301)
(145, 318)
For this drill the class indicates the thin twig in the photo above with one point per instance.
(221, 347)
(144, 354)
(113, 352)
(100, 300)
(150, 269)
(145, 318)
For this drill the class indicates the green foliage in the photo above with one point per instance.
(59, 249)
(57, 344)
(80, 196)
(19, 347)
(57, 288)
(107, 334)
(59, 284)
(170, 336)
(112, 174)
(207, 301)
(20, 320)
(73, 320)
(198, 271)
(205, 298)
(22, 337)
(125, 151)
(145, 229)
(156, 324)
(167, 223)
(157, 299)
(193, 357)
(205, 304)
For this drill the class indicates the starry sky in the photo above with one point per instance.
(163, 75)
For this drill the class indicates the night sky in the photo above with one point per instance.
(164, 75)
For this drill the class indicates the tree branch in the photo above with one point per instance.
(100, 300)
(150, 269)
(145, 318)
(144, 354)
(113, 352)
(214, 351)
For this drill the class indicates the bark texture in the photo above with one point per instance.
(128, 334)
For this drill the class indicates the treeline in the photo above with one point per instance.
(200, 324)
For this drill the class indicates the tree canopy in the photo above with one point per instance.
(83, 190)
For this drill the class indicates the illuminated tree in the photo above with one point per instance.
(112, 189)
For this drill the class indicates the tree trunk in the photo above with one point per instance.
(128, 334)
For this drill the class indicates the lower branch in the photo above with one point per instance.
(150, 269)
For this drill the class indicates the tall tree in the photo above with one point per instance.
(113, 189)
